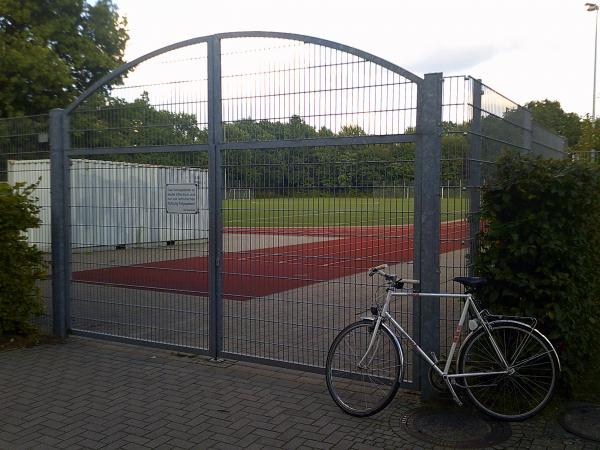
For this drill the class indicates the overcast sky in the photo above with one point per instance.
(525, 49)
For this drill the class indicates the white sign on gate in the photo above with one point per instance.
(182, 198)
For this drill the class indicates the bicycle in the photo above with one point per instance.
(507, 368)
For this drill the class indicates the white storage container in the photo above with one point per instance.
(117, 203)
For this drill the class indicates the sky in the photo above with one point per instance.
(525, 49)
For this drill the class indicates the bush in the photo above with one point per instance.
(21, 264)
(541, 252)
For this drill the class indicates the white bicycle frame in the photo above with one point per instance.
(447, 377)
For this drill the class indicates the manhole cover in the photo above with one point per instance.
(583, 421)
(451, 428)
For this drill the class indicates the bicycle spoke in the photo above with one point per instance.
(365, 389)
(526, 393)
(530, 381)
(378, 366)
(364, 392)
(520, 349)
(491, 354)
(531, 358)
(480, 385)
(515, 395)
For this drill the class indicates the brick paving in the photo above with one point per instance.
(88, 393)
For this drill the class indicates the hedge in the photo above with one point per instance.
(540, 250)
(21, 264)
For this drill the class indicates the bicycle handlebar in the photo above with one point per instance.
(379, 267)
(388, 276)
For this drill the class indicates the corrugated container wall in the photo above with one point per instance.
(117, 203)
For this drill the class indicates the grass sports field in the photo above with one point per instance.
(327, 211)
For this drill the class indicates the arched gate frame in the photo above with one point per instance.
(391, 106)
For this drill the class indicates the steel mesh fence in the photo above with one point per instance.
(546, 143)
(455, 177)
(139, 205)
(588, 155)
(228, 195)
(480, 124)
(323, 210)
(140, 266)
(160, 102)
(317, 90)
(297, 253)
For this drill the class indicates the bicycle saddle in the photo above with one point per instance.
(472, 282)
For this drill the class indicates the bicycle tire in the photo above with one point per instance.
(521, 394)
(362, 392)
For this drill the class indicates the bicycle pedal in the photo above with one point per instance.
(434, 358)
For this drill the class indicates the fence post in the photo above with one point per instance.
(215, 194)
(66, 133)
(60, 216)
(428, 218)
(474, 174)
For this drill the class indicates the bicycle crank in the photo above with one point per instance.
(435, 379)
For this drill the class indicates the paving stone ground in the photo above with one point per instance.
(88, 393)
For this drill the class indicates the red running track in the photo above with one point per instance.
(261, 272)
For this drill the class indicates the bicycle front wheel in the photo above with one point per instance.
(532, 376)
(363, 384)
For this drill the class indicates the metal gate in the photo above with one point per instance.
(225, 195)
(321, 161)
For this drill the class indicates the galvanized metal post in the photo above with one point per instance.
(66, 132)
(428, 218)
(215, 194)
(59, 175)
(474, 174)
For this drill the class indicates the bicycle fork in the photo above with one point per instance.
(364, 361)
(380, 315)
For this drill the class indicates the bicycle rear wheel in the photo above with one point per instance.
(524, 391)
(366, 389)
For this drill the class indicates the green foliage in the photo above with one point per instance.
(551, 116)
(343, 170)
(589, 139)
(52, 50)
(19, 137)
(21, 264)
(454, 151)
(252, 130)
(540, 251)
(114, 122)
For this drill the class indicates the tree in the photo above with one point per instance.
(108, 122)
(52, 50)
(352, 130)
(550, 115)
(588, 146)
